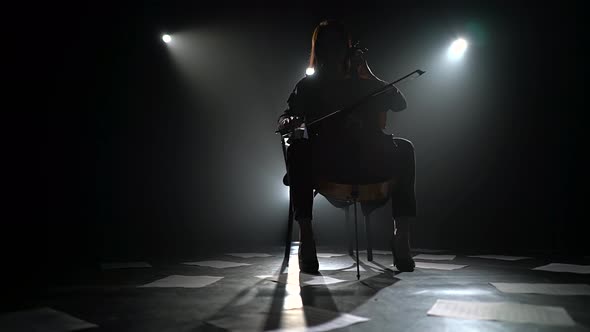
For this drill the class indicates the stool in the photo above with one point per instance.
(371, 196)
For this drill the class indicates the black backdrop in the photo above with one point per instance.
(141, 159)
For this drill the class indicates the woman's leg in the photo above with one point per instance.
(404, 190)
(403, 202)
(300, 178)
(300, 173)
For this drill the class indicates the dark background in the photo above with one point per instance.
(151, 150)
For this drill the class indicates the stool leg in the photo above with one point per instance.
(358, 272)
(368, 231)
(289, 233)
(348, 227)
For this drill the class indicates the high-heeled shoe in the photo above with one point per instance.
(402, 261)
(402, 257)
(308, 260)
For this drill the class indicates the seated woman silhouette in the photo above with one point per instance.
(346, 148)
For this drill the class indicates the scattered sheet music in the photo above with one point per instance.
(501, 257)
(328, 255)
(438, 266)
(542, 288)
(502, 311)
(42, 319)
(432, 257)
(558, 267)
(248, 254)
(216, 264)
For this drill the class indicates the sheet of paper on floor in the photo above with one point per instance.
(265, 276)
(308, 319)
(217, 264)
(124, 265)
(501, 257)
(439, 266)
(183, 281)
(377, 252)
(435, 257)
(42, 319)
(322, 280)
(249, 254)
(559, 267)
(328, 255)
(333, 267)
(542, 288)
(502, 311)
(318, 320)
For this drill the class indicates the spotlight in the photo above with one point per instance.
(166, 38)
(309, 71)
(457, 49)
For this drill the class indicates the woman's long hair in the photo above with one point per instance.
(328, 25)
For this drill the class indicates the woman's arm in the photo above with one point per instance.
(294, 107)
